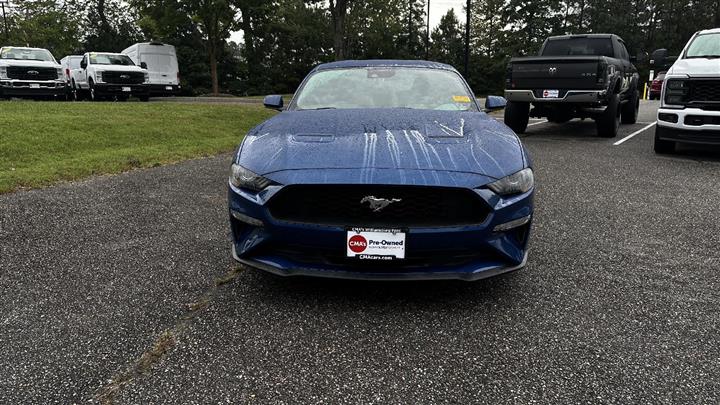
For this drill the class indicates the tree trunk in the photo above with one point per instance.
(338, 11)
(213, 69)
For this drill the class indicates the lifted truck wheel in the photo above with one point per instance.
(662, 146)
(631, 108)
(609, 122)
(517, 115)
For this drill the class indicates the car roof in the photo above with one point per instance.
(345, 64)
(106, 53)
(584, 36)
(710, 31)
(24, 47)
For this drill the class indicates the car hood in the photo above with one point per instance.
(117, 68)
(381, 140)
(28, 63)
(696, 67)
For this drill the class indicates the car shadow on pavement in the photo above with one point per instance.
(700, 153)
(576, 129)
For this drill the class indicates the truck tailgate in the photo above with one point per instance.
(572, 72)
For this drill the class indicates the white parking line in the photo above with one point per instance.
(537, 123)
(634, 133)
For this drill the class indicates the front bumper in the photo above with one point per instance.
(164, 90)
(23, 88)
(689, 125)
(104, 89)
(469, 252)
(571, 96)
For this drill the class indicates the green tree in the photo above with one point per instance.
(108, 25)
(215, 20)
(447, 41)
(45, 24)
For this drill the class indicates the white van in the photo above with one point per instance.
(162, 66)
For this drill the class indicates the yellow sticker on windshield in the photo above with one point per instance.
(461, 99)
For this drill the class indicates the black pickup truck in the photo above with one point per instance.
(574, 76)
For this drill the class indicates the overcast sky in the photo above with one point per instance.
(438, 8)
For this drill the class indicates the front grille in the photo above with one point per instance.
(124, 77)
(704, 90)
(341, 205)
(31, 73)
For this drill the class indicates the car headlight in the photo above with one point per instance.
(241, 177)
(520, 182)
(99, 77)
(147, 77)
(3, 72)
(676, 91)
(60, 73)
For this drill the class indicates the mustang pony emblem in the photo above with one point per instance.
(378, 204)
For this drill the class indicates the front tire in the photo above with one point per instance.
(93, 93)
(517, 115)
(661, 146)
(608, 123)
(631, 109)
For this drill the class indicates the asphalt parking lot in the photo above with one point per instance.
(121, 289)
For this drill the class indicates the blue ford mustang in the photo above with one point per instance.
(382, 170)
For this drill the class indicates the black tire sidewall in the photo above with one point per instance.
(608, 123)
(517, 116)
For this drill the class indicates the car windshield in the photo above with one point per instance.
(704, 46)
(385, 87)
(110, 59)
(26, 54)
(578, 47)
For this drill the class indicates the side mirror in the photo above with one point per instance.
(659, 58)
(143, 65)
(83, 65)
(274, 102)
(493, 103)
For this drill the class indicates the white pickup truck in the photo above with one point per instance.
(109, 76)
(690, 101)
(30, 72)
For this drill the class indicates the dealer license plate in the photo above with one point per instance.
(34, 85)
(551, 93)
(168, 87)
(126, 89)
(375, 244)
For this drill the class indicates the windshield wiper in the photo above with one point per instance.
(704, 57)
(319, 108)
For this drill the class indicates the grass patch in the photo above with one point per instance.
(42, 143)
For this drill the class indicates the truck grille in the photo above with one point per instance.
(31, 73)
(704, 90)
(124, 77)
(341, 205)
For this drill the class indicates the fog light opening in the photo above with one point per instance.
(512, 224)
(246, 219)
(668, 117)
